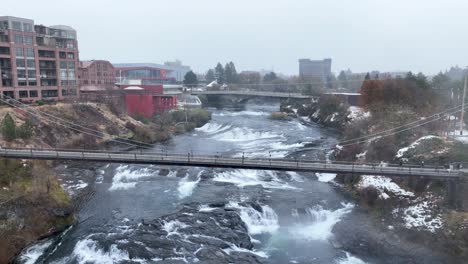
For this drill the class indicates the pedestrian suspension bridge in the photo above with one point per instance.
(217, 161)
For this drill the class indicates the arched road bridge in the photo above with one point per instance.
(228, 162)
(253, 93)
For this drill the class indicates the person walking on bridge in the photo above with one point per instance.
(422, 164)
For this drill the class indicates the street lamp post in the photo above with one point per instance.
(463, 108)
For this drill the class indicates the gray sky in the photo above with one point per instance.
(386, 35)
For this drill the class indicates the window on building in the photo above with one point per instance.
(4, 25)
(19, 39)
(49, 93)
(70, 45)
(63, 74)
(70, 55)
(28, 40)
(22, 83)
(63, 65)
(30, 52)
(4, 38)
(20, 63)
(8, 94)
(71, 74)
(16, 25)
(33, 93)
(32, 83)
(71, 65)
(27, 27)
(21, 73)
(63, 55)
(19, 52)
(31, 64)
(31, 74)
(23, 94)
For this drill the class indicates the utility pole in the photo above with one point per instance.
(463, 108)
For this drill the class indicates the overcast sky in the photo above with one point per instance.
(363, 35)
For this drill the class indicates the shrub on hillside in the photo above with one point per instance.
(370, 195)
(25, 131)
(382, 149)
(199, 116)
(144, 134)
(8, 128)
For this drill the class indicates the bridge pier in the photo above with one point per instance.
(455, 197)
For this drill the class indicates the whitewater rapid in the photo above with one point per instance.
(286, 213)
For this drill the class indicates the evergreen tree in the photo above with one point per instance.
(190, 79)
(220, 74)
(228, 73)
(343, 79)
(269, 77)
(367, 77)
(231, 73)
(8, 128)
(25, 131)
(210, 76)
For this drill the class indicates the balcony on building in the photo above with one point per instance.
(4, 51)
(46, 54)
(47, 65)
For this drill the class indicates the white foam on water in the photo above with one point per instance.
(186, 186)
(212, 128)
(299, 125)
(86, 251)
(318, 223)
(242, 178)
(349, 259)
(258, 222)
(172, 174)
(239, 134)
(172, 227)
(205, 208)
(295, 176)
(234, 248)
(126, 178)
(32, 254)
(242, 113)
(325, 177)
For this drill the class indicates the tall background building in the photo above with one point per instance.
(314, 69)
(37, 62)
(96, 75)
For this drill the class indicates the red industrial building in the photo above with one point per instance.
(148, 100)
(96, 75)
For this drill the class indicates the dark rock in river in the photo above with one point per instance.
(163, 172)
(214, 235)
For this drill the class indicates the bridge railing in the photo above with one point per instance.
(223, 159)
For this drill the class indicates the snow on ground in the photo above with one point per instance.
(357, 113)
(384, 185)
(456, 135)
(332, 118)
(421, 215)
(361, 156)
(402, 151)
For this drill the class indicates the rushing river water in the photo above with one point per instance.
(289, 216)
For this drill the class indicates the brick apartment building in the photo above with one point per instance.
(37, 62)
(312, 70)
(96, 75)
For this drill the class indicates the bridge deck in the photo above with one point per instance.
(253, 93)
(225, 162)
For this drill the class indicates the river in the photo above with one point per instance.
(289, 216)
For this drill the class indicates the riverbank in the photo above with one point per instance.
(38, 203)
(416, 212)
(33, 205)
